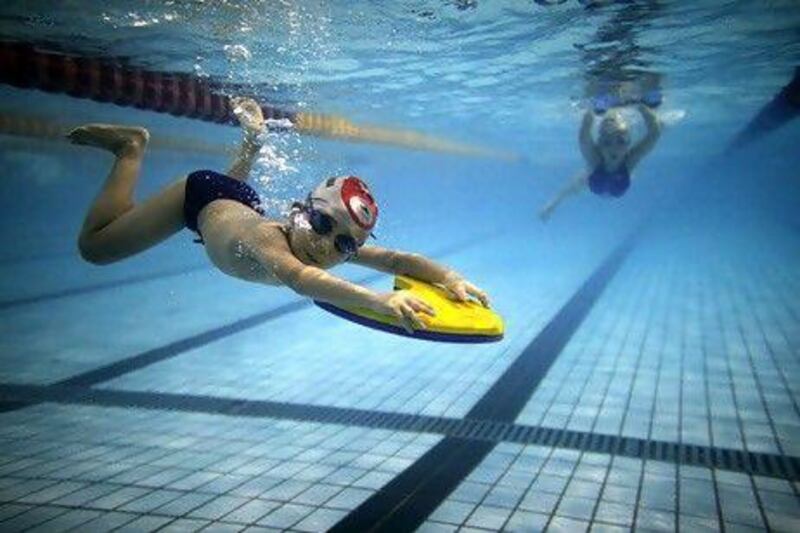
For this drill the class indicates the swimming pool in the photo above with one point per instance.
(648, 377)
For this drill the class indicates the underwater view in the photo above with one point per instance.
(416, 265)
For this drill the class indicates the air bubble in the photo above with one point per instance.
(237, 52)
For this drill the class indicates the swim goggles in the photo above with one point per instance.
(322, 224)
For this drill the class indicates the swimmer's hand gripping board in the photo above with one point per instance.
(464, 322)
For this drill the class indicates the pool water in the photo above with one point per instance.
(649, 376)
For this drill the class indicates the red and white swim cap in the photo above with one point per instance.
(349, 201)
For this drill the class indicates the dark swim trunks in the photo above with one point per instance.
(609, 183)
(205, 186)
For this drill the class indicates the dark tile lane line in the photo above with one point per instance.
(469, 437)
(409, 498)
(98, 287)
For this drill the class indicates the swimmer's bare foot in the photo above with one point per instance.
(119, 140)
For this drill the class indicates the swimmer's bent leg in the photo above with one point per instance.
(115, 227)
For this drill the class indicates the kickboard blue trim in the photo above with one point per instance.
(398, 330)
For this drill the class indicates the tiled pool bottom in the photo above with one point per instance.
(530, 488)
(128, 463)
(695, 342)
(97, 469)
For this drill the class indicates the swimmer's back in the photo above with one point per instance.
(231, 231)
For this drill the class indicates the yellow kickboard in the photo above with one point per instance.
(466, 322)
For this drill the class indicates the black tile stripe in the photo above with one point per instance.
(97, 287)
(162, 353)
(173, 349)
(149, 357)
(408, 499)
(464, 432)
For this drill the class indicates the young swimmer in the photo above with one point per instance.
(611, 160)
(329, 228)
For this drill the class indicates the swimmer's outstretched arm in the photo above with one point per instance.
(650, 139)
(419, 267)
(252, 121)
(592, 156)
(573, 187)
(315, 283)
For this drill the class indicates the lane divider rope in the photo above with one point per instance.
(28, 66)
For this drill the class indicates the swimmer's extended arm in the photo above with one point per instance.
(578, 183)
(585, 141)
(406, 264)
(252, 121)
(317, 284)
(419, 267)
(574, 186)
(644, 146)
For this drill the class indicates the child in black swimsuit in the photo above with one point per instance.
(332, 226)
